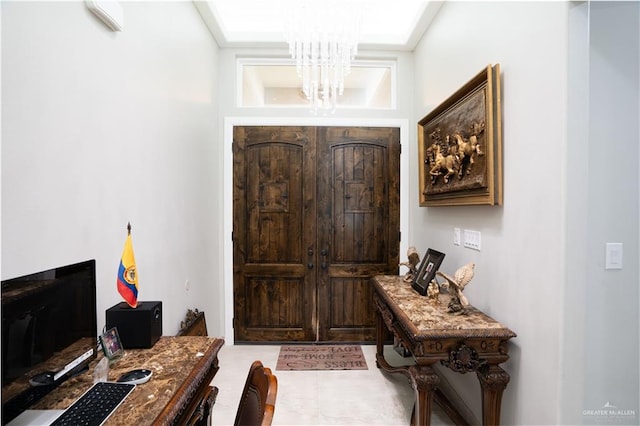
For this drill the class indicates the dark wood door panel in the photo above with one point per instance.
(358, 226)
(359, 204)
(274, 309)
(349, 300)
(350, 316)
(316, 215)
(274, 225)
(274, 193)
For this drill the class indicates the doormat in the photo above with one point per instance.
(321, 357)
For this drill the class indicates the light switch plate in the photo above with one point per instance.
(456, 236)
(613, 256)
(472, 239)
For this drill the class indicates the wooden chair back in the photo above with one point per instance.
(258, 399)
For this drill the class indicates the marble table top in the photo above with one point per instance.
(174, 361)
(431, 318)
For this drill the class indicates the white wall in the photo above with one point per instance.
(519, 272)
(612, 212)
(102, 128)
(572, 377)
(570, 119)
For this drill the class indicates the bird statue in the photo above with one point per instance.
(412, 263)
(457, 284)
(433, 292)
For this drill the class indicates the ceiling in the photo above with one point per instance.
(385, 25)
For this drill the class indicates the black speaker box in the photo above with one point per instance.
(138, 327)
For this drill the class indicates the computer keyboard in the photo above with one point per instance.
(16, 405)
(96, 405)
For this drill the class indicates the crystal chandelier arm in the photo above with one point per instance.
(323, 40)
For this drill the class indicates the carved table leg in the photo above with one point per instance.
(424, 382)
(493, 381)
(380, 327)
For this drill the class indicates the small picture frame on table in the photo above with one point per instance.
(111, 344)
(427, 271)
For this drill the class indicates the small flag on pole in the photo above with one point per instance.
(128, 274)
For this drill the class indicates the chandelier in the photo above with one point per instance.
(323, 40)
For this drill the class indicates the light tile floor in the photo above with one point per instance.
(352, 397)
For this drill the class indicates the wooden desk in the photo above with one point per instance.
(179, 391)
(464, 343)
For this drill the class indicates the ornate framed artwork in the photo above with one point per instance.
(427, 271)
(460, 146)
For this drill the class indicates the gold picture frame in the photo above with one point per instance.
(460, 146)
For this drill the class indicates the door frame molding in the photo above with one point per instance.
(231, 122)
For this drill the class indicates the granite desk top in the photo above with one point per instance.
(175, 362)
(429, 319)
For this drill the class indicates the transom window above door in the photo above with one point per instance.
(269, 83)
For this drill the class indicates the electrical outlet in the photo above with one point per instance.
(456, 236)
(187, 285)
(472, 239)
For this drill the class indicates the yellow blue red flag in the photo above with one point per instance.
(128, 273)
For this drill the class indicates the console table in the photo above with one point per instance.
(179, 391)
(472, 342)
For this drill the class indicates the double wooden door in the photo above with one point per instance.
(315, 216)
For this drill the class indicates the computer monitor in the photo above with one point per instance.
(49, 332)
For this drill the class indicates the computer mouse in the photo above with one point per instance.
(42, 379)
(136, 377)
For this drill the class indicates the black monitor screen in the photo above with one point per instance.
(49, 332)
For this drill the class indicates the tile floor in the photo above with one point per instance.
(353, 397)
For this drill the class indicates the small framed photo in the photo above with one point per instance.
(111, 343)
(427, 271)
